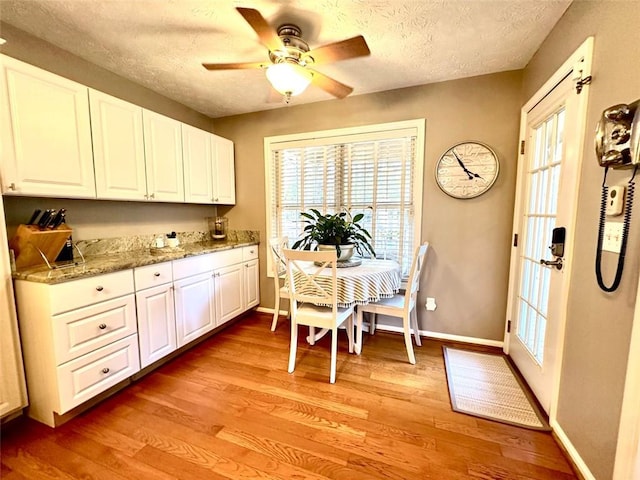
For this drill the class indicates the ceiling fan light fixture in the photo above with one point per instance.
(289, 78)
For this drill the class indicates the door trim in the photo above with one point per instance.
(627, 462)
(578, 65)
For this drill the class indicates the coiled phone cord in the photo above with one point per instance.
(625, 231)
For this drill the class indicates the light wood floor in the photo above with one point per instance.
(229, 409)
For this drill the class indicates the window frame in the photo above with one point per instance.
(383, 130)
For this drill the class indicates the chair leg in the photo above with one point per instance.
(350, 331)
(358, 342)
(407, 340)
(416, 330)
(294, 346)
(372, 323)
(334, 353)
(276, 312)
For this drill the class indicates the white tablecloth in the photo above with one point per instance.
(366, 283)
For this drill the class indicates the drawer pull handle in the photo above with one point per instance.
(105, 370)
(102, 326)
(157, 274)
(99, 288)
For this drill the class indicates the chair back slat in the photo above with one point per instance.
(413, 285)
(307, 278)
(278, 265)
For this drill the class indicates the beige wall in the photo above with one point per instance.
(469, 261)
(599, 323)
(100, 219)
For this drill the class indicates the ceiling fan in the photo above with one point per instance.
(289, 71)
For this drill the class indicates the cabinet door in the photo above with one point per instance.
(196, 155)
(46, 134)
(13, 394)
(195, 312)
(224, 186)
(118, 148)
(163, 154)
(229, 292)
(251, 284)
(156, 323)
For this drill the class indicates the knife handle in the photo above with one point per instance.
(32, 220)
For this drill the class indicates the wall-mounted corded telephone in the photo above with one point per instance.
(617, 146)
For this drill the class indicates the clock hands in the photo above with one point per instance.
(469, 173)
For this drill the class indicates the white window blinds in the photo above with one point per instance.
(371, 173)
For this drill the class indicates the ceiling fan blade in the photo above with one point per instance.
(329, 85)
(333, 52)
(233, 66)
(267, 35)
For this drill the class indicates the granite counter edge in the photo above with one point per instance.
(104, 264)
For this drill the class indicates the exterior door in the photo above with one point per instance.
(553, 130)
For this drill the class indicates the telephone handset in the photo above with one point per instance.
(617, 141)
(617, 146)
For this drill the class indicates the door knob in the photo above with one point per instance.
(552, 263)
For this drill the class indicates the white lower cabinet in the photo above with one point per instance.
(229, 287)
(76, 349)
(195, 307)
(156, 323)
(84, 336)
(251, 284)
(83, 378)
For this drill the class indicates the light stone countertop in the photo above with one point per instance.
(113, 262)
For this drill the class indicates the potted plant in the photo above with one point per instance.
(339, 230)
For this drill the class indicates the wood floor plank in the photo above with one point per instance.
(228, 409)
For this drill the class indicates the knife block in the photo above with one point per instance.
(29, 244)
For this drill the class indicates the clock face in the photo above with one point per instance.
(467, 170)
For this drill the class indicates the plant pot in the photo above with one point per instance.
(346, 251)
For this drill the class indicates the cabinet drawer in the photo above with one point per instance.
(87, 291)
(85, 377)
(187, 267)
(228, 257)
(153, 275)
(249, 253)
(81, 331)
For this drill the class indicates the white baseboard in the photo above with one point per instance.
(423, 333)
(444, 336)
(571, 450)
(270, 311)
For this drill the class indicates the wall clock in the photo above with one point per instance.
(467, 170)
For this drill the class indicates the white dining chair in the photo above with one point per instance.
(310, 287)
(279, 272)
(400, 305)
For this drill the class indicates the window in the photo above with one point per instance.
(375, 170)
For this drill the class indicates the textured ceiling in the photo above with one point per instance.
(162, 43)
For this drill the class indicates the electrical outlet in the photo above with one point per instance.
(431, 304)
(612, 241)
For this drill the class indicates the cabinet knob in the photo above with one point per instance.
(99, 288)
(215, 199)
(246, 265)
(11, 186)
(152, 196)
(105, 370)
(157, 274)
(102, 326)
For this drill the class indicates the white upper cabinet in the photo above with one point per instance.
(46, 133)
(224, 186)
(163, 151)
(118, 148)
(197, 159)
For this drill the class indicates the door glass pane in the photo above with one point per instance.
(543, 180)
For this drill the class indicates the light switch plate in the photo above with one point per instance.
(612, 241)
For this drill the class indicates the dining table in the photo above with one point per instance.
(360, 282)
